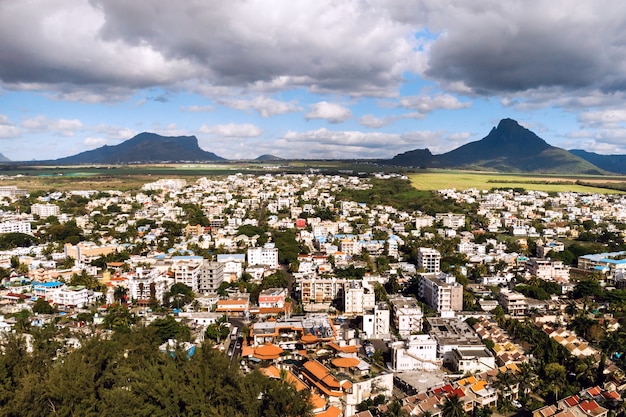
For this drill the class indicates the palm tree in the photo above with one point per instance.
(394, 409)
(526, 378)
(504, 384)
(453, 407)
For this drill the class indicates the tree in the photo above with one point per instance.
(178, 295)
(555, 377)
(394, 409)
(168, 328)
(120, 293)
(41, 306)
(504, 383)
(453, 407)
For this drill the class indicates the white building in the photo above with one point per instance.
(472, 360)
(144, 284)
(77, 296)
(358, 297)
(187, 270)
(407, 315)
(547, 269)
(376, 322)
(15, 227)
(441, 292)
(233, 265)
(429, 260)
(320, 290)
(451, 220)
(45, 210)
(418, 353)
(267, 255)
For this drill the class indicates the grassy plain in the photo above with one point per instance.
(461, 180)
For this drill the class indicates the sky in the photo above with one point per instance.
(309, 79)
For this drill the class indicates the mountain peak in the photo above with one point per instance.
(509, 147)
(146, 147)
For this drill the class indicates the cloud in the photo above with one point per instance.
(265, 106)
(62, 127)
(232, 130)
(90, 45)
(329, 144)
(93, 142)
(8, 130)
(516, 46)
(427, 104)
(331, 112)
(197, 109)
(604, 119)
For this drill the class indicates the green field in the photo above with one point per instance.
(438, 180)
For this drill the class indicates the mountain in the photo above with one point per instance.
(268, 157)
(143, 148)
(509, 147)
(420, 158)
(611, 163)
(4, 158)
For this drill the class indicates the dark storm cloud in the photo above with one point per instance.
(322, 45)
(502, 47)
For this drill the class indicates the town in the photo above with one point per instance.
(476, 302)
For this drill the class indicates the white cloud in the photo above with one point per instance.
(331, 112)
(7, 128)
(197, 109)
(427, 104)
(93, 142)
(265, 106)
(606, 119)
(63, 127)
(232, 130)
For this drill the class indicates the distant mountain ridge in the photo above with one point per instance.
(268, 157)
(143, 148)
(4, 158)
(509, 147)
(611, 163)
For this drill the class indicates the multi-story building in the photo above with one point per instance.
(451, 220)
(472, 360)
(547, 269)
(187, 270)
(272, 298)
(358, 296)
(233, 265)
(267, 255)
(419, 352)
(145, 284)
(211, 276)
(84, 251)
(407, 315)
(441, 292)
(320, 290)
(513, 302)
(78, 296)
(45, 210)
(15, 227)
(376, 322)
(429, 260)
(451, 333)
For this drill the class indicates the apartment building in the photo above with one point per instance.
(547, 269)
(45, 210)
(211, 276)
(358, 297)
(429, 260)
(320, 290)
(441, 292)
(376, 322)
(267, 255)
(407, 315)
